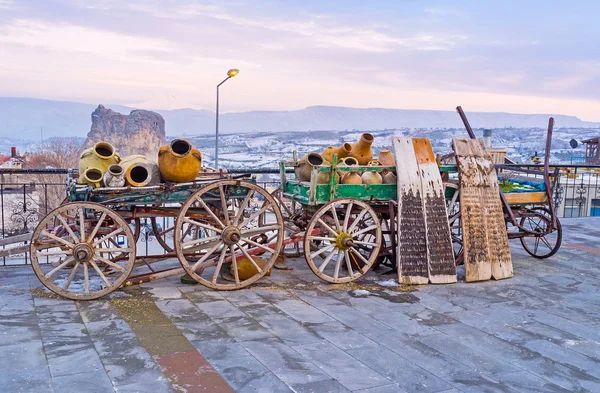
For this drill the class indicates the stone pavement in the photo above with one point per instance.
(536, 332)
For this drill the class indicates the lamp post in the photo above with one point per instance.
(230, 74)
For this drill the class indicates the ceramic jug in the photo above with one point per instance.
(389, 177)
(361, 150)
(92, 177)
(139, 171)
(342, 152)
(372, 177)
(114, 176)
(306, 164)
(246, 269)
(349, 177)
(179, 161)
(386, 158)
(100, 156)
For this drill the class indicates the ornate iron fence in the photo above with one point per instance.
(27, 195)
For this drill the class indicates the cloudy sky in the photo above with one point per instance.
(514, 56)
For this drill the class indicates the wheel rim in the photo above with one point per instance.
(87, 260)
(548, 241)
(348, 242)
(224, 254)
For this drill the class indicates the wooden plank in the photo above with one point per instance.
(516, 198)
(495, 225)
(440, 255)
(25, 237)
(476, 252)
(5, 252)
(412, 244)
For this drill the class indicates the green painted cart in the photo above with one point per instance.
(347, 228)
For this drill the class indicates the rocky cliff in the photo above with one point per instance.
(140, 132)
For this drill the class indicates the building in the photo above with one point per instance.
(592, 153)
(14, 161)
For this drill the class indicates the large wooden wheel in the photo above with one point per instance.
(88, 254)
(236, 221)
(540, 240)
(347, 243)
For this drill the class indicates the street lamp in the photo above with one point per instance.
(230, 74)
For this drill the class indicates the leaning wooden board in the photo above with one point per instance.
(412, 242)
(440, 256)
(424, 244)
(485, 241)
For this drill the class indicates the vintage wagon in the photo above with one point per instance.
(224, 225)
(347, 228)
(527, 203)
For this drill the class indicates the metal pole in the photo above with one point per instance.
(217, 126)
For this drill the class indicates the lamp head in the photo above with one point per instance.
(233, 72)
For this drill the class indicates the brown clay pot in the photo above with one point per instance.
(386, 158)
(352, 178)
(306, 164)
(372, 177)
(389, 177)
(361, 150)
(342, 152)
(179, 161)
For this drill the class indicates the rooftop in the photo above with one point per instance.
(538, 331)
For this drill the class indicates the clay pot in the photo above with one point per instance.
(246, 269)
(389, 177)
(386, 158)
(348, 161)
(114, 176)
(361, 150)
(100, 156)
(139, 171)
(179, 161)
(306, 164)
(372, 177)
(342, 152)
(92, 177)
(352, 178)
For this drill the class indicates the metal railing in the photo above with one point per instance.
(27, 195)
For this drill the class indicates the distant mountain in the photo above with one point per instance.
(23, 117)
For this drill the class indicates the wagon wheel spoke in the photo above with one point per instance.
(58, 239)
(255, 215)
(335, 218)
(243, 207)
(71, 276)
(255, 244)
(219, 265)
(112, 234)
(357, 220)
(202, 239)
(86, 276)
(259, 230)
(98, 226)
(347, 216)
(210, 212)
(210, 252)
(365, 230)
(236, 273)
(59, 267)
(67, 227)
(224, 208)
(324, 224)
(99, 272)
(198, 224)
(321, 251)
(109, 263)
(250, 258)
(326, 261)
(546, 242)
(81, 225)
(336, 272)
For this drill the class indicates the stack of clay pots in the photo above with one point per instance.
(355, 154)
(102, 166)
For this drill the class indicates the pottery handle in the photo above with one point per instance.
(197, 154)
(163, 150)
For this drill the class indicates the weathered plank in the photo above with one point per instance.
(440, 256)
(485, 241)
(25, 237)
(497, 238)
(478, 266)
(412, 240)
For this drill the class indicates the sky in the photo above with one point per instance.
(502, 56)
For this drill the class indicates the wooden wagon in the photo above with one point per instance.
(529, 212)
(86, 248)
(347, 228)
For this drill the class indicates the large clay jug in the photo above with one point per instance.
(342, 152)
(352, 178)
(372, 177)
(306, 164)
(389, 177)
(114, 176)
(361, 150)
(139, 171)
(179, 161)
(386, 158)
(246, 268)
(92, 177)
(100, 156)
(349, 177)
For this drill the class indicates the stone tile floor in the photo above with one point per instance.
(536, 332)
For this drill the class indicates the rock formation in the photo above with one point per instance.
(140, 132)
